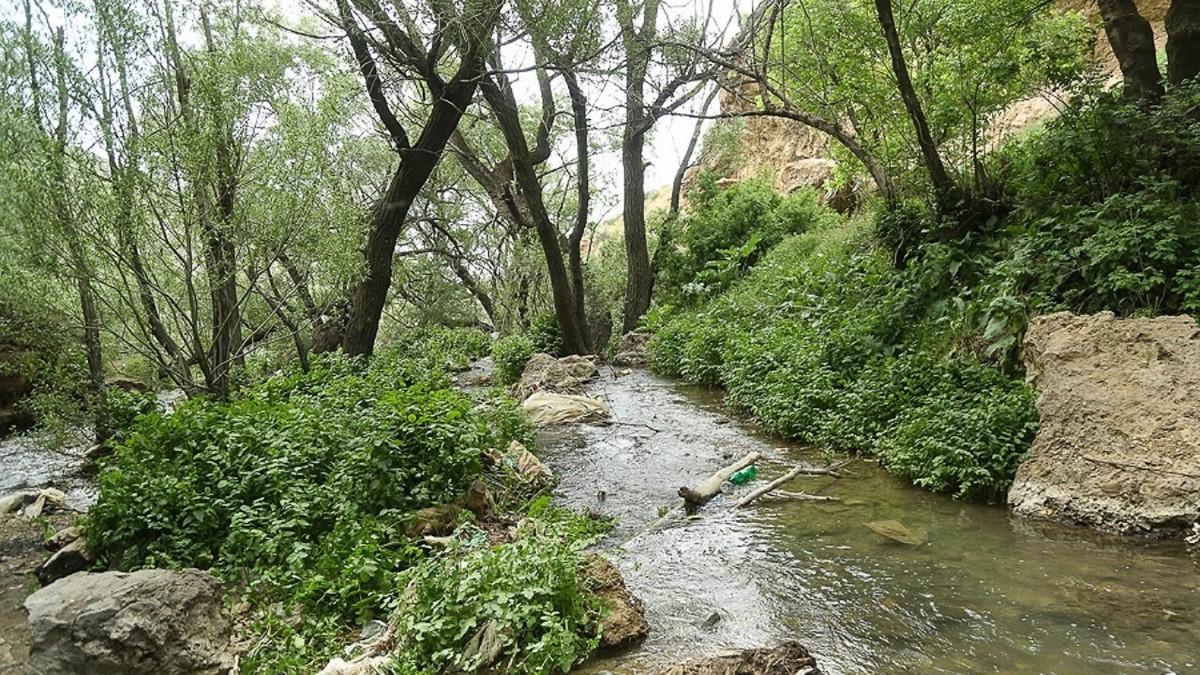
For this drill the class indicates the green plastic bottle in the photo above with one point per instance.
(744, 476)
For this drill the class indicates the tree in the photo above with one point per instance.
(416, 48)
(944, 188)
(683, 79)
(50, 163)
(1132, 40)
(1183, 41)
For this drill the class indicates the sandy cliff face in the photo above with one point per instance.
(791, 155)
(1119, 443)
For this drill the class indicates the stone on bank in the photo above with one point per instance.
(141, 623)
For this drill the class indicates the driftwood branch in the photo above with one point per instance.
(833, 470)
(703, 493)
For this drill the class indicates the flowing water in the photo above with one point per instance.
(983, 593)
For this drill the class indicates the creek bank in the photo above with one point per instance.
(1118, 448)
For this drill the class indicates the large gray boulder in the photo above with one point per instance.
(114, 623)
(1119, 444)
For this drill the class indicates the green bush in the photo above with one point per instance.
(124, 407)
(511, 353)
(730, 231)
(300, 486)
(529, 592)
(969, 444)
(546, 335)
(1108, 216)
(439, 348)
(824, 342)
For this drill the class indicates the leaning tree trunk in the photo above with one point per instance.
(1132, 41)
(943, 185)
(1183, 41)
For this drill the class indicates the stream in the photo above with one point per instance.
(983, 593)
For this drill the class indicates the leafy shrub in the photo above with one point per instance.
(529, 592)
(300, 486)
(731, 230)
(438, 348)
(1131, 252)
(511, 353)
(1108, 217)
(826, 343)
(546, 335)
(966, 443)
(124, 407)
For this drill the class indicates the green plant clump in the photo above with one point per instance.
(511, 353)
(438, 348)
(301, 487)
(528, 594)
(730, 231)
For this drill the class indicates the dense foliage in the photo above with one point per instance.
(301, 490)
(529, 595)
(728, 231)
(1108, 207)
(511, 353)
(823, 342)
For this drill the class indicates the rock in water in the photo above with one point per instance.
(789, 658)
(625, 621)
(1119, 443)
(896, 531)
(112, 623)
(561, 376)
(550, 409)
(632, 349)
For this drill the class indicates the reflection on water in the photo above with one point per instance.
(984, 593)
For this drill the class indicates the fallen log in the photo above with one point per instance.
(798, 471)
(703, 493)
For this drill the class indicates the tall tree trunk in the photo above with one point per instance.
(943, 186)
(1132, 41)
(95, 358)
(221, 252)
(637, 41)
(1183, 41)
(500, 99)
(583, 194)
(215, 222)
(637, 251)
(75, 246)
